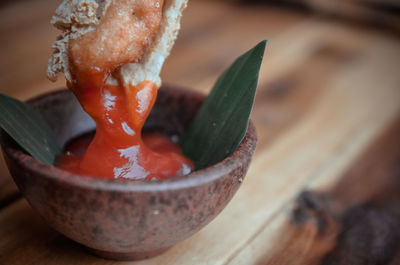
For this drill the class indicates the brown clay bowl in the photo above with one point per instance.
(126, 219)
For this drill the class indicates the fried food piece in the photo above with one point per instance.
(124, 33)
(104, 34)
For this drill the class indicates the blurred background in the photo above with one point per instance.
(327, 114)
(219, 29)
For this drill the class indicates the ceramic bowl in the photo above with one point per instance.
(126, 220)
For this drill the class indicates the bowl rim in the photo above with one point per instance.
(196, 178)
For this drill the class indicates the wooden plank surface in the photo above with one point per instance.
(327, 112)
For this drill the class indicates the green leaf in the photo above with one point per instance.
(221, 122)
(28, 129)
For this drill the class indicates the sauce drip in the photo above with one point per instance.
(118, 149)
(119, 110)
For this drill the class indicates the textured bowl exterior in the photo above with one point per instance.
(126, 219)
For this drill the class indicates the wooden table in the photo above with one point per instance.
(328, 119)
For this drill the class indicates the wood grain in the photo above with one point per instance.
(328, 97)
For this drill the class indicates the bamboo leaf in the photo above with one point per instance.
(221, 122)
(28, 129)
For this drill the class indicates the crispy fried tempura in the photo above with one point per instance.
(138, 34)
(122, 36)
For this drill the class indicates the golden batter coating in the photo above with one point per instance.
(122, 36)
(99, 34)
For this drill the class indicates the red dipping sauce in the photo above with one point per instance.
(117, 150)
(74, 151)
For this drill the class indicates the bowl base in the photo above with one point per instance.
(130, 256)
